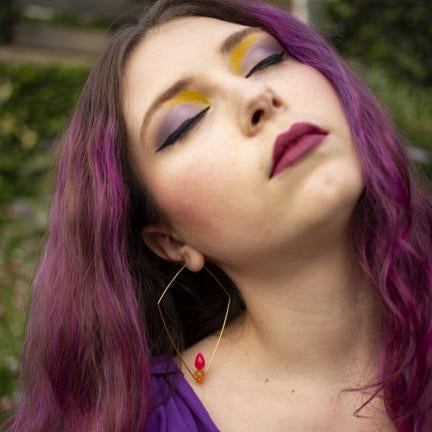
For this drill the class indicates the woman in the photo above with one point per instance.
(272, 177)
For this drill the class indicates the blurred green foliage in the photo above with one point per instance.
(410, 104)
(35, 102)
(9, 16)
(395, 36)
(70, 20)
(389, 44)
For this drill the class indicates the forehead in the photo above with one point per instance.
(194, 32)
(181, 47)
(182, 38)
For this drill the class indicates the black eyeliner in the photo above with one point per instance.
(182, 129)
(272, 59)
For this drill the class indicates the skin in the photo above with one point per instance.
(284, 242)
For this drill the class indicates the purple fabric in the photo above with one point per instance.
(183, 410)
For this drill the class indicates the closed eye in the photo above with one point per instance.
(181, 132)
(183, 129)
(270, 60)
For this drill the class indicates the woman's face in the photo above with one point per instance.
(213, 183)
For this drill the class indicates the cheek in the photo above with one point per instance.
(328, 98)
(191, 195)
(310, 89)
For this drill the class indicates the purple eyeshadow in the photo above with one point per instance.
(174, 119)
(259, 52)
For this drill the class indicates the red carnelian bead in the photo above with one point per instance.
(199, 361)
(199, 376)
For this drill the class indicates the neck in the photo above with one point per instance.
(318, 322)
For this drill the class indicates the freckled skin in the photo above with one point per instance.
(214, 185)
(282, 241)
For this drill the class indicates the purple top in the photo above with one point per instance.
(180, 412)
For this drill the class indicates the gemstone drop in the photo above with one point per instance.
(199, 361)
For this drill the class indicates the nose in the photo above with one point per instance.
(257, 108)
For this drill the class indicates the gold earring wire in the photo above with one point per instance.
(199, 373)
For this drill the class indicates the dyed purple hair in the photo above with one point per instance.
(92, 324)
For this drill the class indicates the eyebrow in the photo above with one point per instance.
(226, 46)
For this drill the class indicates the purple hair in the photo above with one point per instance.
(93, 326)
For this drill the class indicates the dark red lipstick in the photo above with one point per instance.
(293, 144)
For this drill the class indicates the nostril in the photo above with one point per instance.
(257, 115)
(276, 103)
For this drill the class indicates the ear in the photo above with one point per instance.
(161, 241)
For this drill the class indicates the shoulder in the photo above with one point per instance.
(173, 407)
(164, 380)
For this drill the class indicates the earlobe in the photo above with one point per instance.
(193, 259)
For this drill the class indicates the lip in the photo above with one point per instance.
(307, 134)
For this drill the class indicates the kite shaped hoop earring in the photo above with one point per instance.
(200, 365)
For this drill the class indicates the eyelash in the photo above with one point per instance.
(181, 132)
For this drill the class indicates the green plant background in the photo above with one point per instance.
(387, 43)
(35, 102)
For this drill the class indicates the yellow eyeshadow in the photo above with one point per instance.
(236, 58)
(239, 51)
(188, 96)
